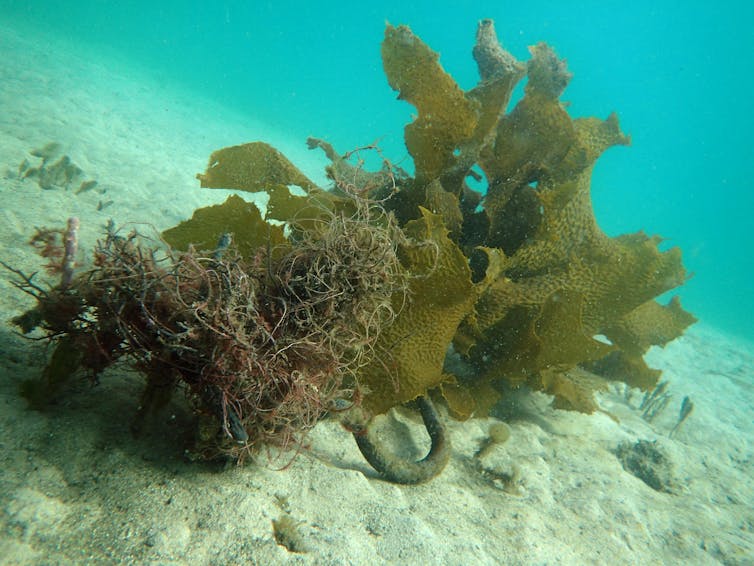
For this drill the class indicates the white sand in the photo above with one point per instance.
(75, 486)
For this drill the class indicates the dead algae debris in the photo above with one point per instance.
(351, 307)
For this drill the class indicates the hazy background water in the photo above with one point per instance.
(679, 74)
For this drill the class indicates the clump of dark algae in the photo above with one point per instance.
(263, 345)
(353, 306)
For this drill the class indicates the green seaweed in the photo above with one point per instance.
(235, 216)
(365, 288)
(558, 280)
(251, 167)
(521, 279)
(413, 347)
(446, 116)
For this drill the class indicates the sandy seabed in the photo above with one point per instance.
(77, 487)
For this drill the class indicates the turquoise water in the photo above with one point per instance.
(681, 77)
